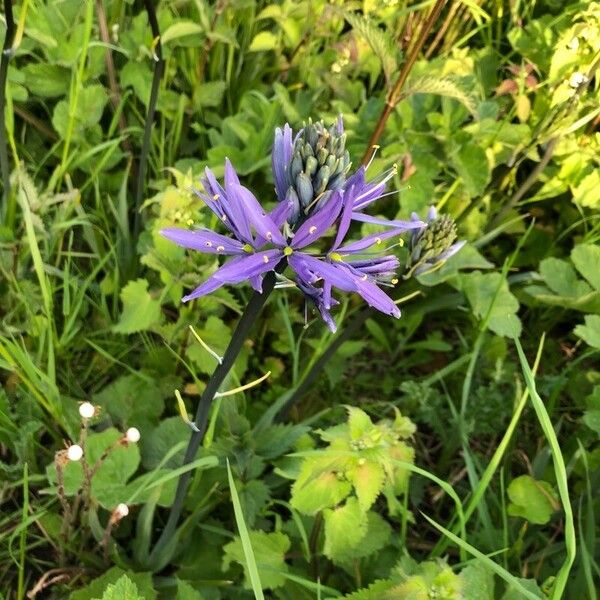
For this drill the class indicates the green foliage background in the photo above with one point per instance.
(425, 461)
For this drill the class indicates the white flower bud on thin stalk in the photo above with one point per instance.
(87, 410)
(133, 435)
(75, 452)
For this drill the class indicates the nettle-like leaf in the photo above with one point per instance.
(123, 589)
(381, 42)
(368, 478)
(531, 499)
(318, 486)
(140, 310)
(345, 527)
(269, 551)
(96, 588)
(491, 299)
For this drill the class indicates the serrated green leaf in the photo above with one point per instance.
(140, 311)
(95, 589)
(359, 422)
(345, 527)
(132, 400)
(122, 589)
(314, 492)
(368, 479)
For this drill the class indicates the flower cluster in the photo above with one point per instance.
(315, 197)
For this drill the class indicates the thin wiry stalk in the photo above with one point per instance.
(6, 54)
(244, 325)
(394, 95)
(159, 64)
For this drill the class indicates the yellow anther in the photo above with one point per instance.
(378, 240)
(247, 248)
(287, 251)
(401, 242)
(395, 280)
(335, 257)
(216, 197)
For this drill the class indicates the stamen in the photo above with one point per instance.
(312, 229)
(287, 251)
(265, 259)
(248, 248)
(375, 149)
(395, 281)
(269, 235)
(208, 244)
(364, 277)
(335, 257)
(244, 387)
(216, 197)
(220, 248)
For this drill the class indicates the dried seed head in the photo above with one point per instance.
(75, 452)
(133, 435)
(87, 410)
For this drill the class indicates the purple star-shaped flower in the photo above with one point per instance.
(260, 241)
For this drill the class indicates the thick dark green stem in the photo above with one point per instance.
(250, 314)
(159, 64)
(6, 53)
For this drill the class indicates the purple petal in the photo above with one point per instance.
(281, 157)
(402, 225)
(364, 193)
(240, 268)
(444, 256)
(342, 277)
(345, 221)
(254, 214)
(231, 177)
(383, 264)
(432, 213)
(319, 222)
(279, 215)
(340, 124)
(203, 240)
(234, 204)
(370, 240)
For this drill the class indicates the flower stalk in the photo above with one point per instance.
(258, 300)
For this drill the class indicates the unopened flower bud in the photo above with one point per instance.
(75, 452)
(319, 163)
(133, 435)
(87, 410)
(121, 511)
(432, 244)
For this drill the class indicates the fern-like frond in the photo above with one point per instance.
(380, 40)
(442, 86)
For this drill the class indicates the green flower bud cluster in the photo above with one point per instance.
(319, 164)
(430, 244)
